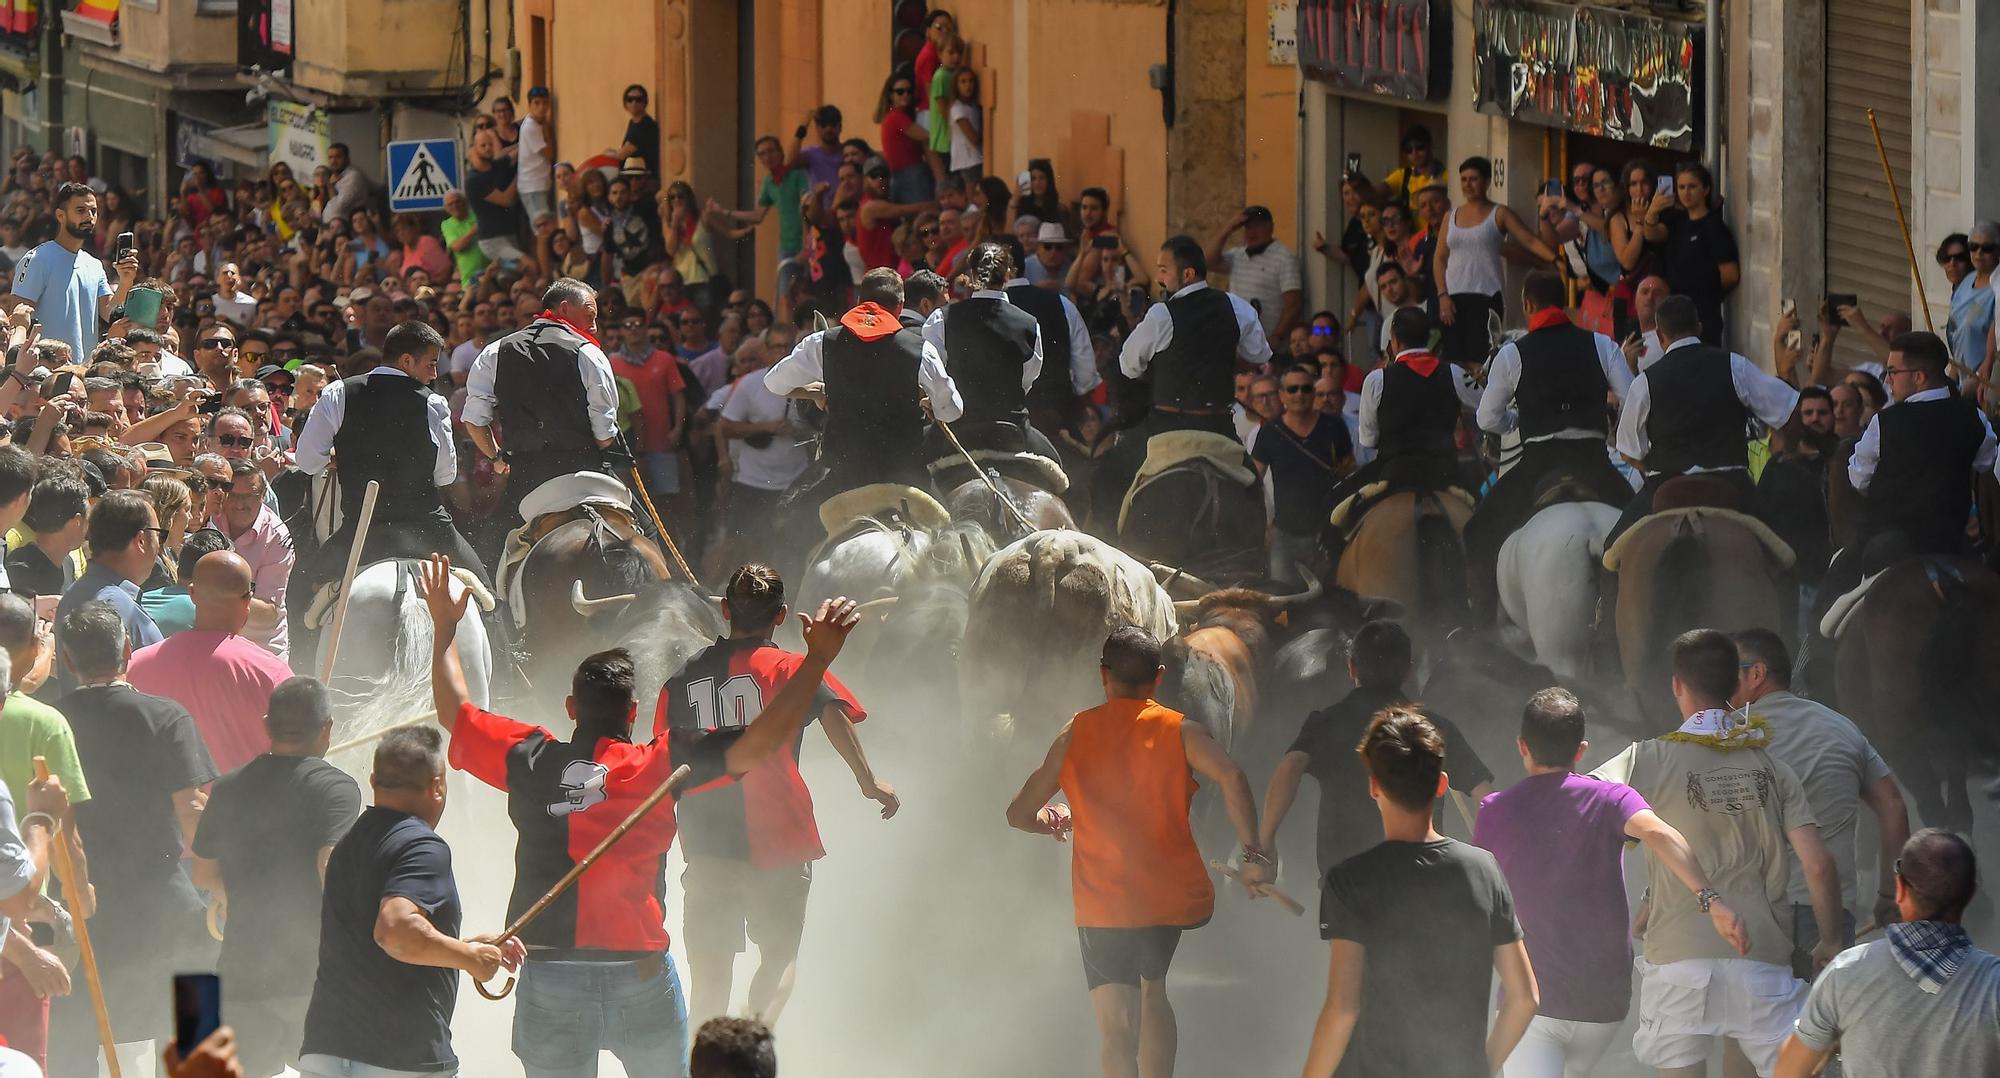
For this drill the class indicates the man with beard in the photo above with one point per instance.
(64, 284)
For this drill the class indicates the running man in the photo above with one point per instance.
(1128, 768)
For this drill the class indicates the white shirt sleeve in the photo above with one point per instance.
(1468, 394)
(600, 391)
(479, 399)
(1153, 333)
(1503, 376)
(314, 447)
(801, 368)
(1371, 399)
(1082, 357)
(1867, 451)
(945, 402)
(1768, 397)
(1032, 369)
(1251, 345)
(934, 332)
(1616, 370)
(1988, 456)
(1632, 440)
(445, 468)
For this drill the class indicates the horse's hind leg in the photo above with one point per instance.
(1957, 810)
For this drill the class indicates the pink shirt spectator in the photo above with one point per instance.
(224, 681)
(428, 255)
(267, 546)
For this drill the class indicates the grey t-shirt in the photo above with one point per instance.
(1833, 761)
(1887, 1025)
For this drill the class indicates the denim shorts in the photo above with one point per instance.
(566, 1012)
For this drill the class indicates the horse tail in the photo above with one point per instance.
(1441, 587)
(1951, 652)
(1680, 580)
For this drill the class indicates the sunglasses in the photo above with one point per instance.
(1954, 256)
(223, 343)
(927, 233)
(630, 98)
(1295, 390)
(1983, 248)
(1322, 331)
(158, 533)
(899, 89)
(235, 441)
(632, 326)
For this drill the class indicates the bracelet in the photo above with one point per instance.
(1253, 856)
(46, 819)
(1706, 897)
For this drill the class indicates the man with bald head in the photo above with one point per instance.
(1920, 1000)
(223, 678)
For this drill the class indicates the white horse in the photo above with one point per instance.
(1548, 581)
(383, 673)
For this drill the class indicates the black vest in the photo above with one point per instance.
(987, 342)
(540, 396)
(1923, 476)
(1694, 418)
(1197, 369)
(1052, 387)
(871, 394)
(1418, 415)
(385, 436)
(1562, 384)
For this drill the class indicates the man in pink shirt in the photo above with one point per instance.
(256, 533)
(224, 679)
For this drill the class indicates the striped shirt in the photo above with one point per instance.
(1263, 279)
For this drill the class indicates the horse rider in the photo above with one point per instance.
(385, 426)
(1686, 413)
(1914, 466)
(1052, 400)
(873, 372)
(924, 294)
(993, 351)
(1194, 343)
(552, 390)
(1551, 385)
(1410, 408)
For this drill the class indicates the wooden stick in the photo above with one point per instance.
(661, 527)
(66, 872)
(347, 582)
(378, 735)
(651, 802)
(1270, 889)
(1896, 199)
(1005, 501)
(1464, 813)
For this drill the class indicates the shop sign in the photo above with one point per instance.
(1390, 48)
(1588, 69)
(299, 136)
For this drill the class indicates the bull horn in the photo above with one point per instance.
(589, 607)
(1186, 608)
(882, 605)
(1314, 589)
(1168, 574)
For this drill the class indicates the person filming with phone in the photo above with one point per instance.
(66, 285)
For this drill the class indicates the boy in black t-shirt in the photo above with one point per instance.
(1416, 924)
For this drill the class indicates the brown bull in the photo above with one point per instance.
(1223, 656)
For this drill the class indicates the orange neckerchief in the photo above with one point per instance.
(1546, 317)
(1418, 360)
(580, 331)
(871, 321)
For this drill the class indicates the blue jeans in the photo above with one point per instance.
(320, 1065)
(663, 473)
(566, 1012)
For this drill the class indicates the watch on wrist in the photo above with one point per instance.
(800, 133)
(1254, 856)
(1706, 897)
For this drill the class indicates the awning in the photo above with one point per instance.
(248, 145)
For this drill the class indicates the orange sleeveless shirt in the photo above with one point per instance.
(1133, 861)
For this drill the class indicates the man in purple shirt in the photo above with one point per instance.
(1559, 838)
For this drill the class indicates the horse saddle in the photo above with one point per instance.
(1689, 491)
(1562, 488)
(1941, 574)
(1779, 550)
(1180, 450)
(1347, 516)
(327, 594)
(566, 498)
(885, 501)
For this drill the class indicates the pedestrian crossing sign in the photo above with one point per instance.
(420, 172)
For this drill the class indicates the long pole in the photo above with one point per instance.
(646, 499)
(66, 872)
(347, 581)
(651, 802)
(1909, 248)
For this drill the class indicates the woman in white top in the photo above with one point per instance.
(1469, 267)
(967, 126)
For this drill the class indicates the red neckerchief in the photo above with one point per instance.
(1421, 362)
(561, 321)
(1546, 317)
(871, 321)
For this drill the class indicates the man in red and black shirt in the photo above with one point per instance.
(750, 845)
(598, 974)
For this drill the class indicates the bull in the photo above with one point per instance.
(1225, 654)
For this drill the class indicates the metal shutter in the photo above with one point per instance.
(1867, 66)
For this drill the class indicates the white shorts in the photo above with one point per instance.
(1559, 1048)
(1683, 1004)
